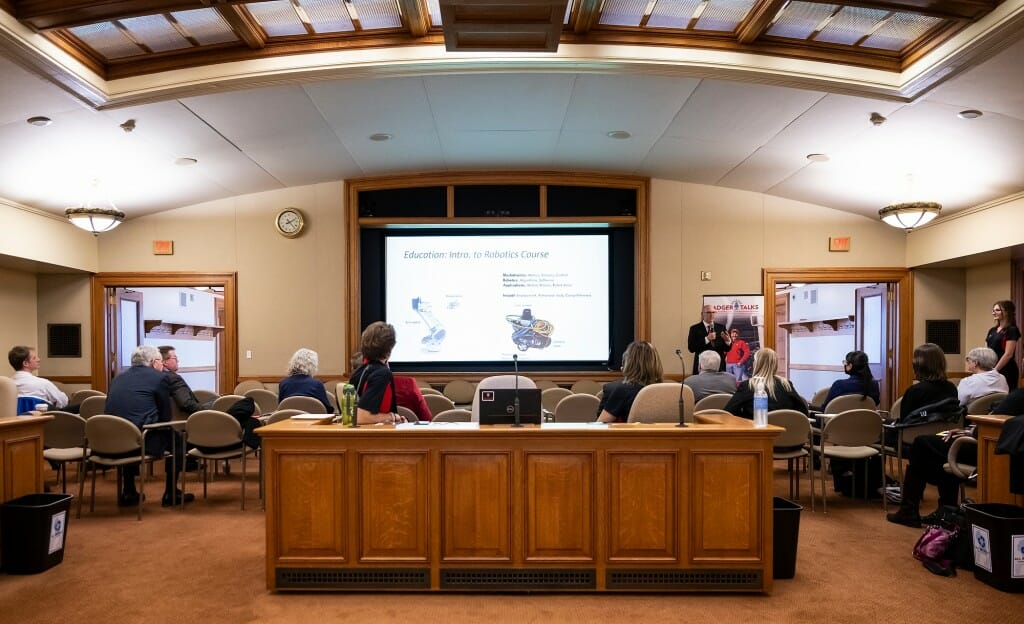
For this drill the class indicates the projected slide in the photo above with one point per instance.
(468, 298)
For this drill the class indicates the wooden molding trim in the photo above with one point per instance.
(901, 325)
(641, 242)
(229, 337)
(70, 379)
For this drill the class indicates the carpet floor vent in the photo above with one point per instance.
(328, 578)
(506, 579)
(694, 580)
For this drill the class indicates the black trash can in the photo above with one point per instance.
(34, 528)
(785, 535)
(997, 537)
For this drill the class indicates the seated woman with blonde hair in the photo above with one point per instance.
(641, 366)
(781, 394)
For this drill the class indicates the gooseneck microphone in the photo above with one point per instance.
(682, 410)
(515, 393)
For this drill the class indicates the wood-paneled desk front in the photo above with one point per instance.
(993, 470)
(581, 508)
(21, 456)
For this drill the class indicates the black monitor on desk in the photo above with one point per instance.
(497, 406)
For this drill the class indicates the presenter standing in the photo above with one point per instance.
(1003, 338)
(708, 336)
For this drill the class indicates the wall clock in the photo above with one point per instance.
(290, 222)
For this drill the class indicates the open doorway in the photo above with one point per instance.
(195, 312)
(820, 314)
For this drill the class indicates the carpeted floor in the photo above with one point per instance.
(207, 565)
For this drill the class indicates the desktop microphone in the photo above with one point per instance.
(515, 393)
(682, 411)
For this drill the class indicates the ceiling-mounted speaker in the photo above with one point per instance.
(502, 25)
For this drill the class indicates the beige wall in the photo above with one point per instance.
(29, 234)
(985, 228)
(939, 294)
(734, 234)
(290, 291)
(984, 286)
(18, 324)
(64, 299)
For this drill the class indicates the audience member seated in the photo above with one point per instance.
(25, 362)
(932, 386)
(983, 379)
(859, 380)
(781, 394)
(244, 410)
(375, 385)
(141, 394)
(641, 366)
(407, 391)
(300, 381)
(928, 454)
(710, 380)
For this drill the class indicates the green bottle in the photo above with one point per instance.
(348, 404)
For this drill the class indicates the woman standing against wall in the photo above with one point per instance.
(1003, 339)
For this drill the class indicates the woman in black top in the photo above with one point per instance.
(932, 385)
(1003, 339)
(641, 365)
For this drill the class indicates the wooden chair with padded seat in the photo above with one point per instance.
(713, 401)
(109, 438)
(78, 396)
(248, 384)
(819, 397)
(222, 404)
(961, 470)
(587, 386)
(848, 402)
(453, 415)
(408, 414)
(64, 441)
(438, 403)
(659, 403)
(215, 436)
(853, 434)
(205, 396)
(792, 445)
(264, 399)
(309, 405)
(984, 404)
(92, 405)
(577, 408)
(459, 391)
(425, 390)
(281, 414)
(550, 397)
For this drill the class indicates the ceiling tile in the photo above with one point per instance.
(499, 102)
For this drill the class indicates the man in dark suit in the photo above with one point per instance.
(708, 336)
(141, 394)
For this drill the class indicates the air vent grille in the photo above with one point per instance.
(505, 579)
(372, 578)
(685, 579)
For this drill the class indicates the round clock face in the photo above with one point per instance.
(289, 222)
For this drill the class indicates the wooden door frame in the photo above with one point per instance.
(229, 337)
(902, 325)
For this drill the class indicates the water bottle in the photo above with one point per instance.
(348, 404)
(760, 404)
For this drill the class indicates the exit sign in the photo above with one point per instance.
(839, 243)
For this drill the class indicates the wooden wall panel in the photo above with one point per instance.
(559, 506)
(393, 495)
(725, 485)
(312, 522)
(642, 506)
(476, 506)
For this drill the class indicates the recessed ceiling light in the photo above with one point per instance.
(381, 136)
(619, 134)
(40, 121)
(817, 157)
(185, 161)
(969, 114)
